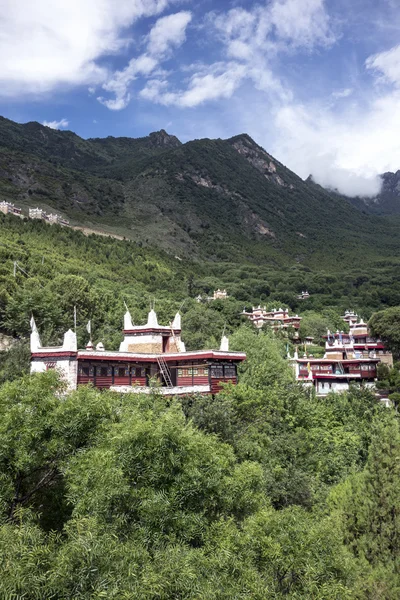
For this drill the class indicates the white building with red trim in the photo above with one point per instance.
(148, 352)
(8, 208)
(349, 358)
(278, 318)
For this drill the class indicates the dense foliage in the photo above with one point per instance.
(263, 491)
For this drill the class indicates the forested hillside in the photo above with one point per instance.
(211, 199)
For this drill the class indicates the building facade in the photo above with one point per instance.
(57, 219)
(10, 209)
(349, 358)
(277, 318)
(148, 353)
(38, 213)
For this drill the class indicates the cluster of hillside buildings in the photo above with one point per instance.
(349, 357)
(154, 352)
(8, 208)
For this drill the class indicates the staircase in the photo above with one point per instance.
(165, 372)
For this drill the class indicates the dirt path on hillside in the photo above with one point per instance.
(89, 231)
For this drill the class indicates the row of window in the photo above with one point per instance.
(192, 371)
(108, 371)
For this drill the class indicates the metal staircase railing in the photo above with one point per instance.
(165, 372)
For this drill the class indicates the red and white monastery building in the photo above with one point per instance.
(148, 353)
(278, 317)
(349, 358)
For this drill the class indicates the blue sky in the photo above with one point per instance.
(316, 83)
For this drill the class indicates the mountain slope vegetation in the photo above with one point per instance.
(215, 199)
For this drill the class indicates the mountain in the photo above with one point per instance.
(387, 202)
(217, 199)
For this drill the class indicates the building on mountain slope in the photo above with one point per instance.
(217, 295)
(303, 296)
(38, 213)
(277, 318)
(10, 209)
(148, 352)
(349, 358)
(220, 295)
(350, 317)
(57, 219)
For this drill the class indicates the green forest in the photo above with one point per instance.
(263, 491)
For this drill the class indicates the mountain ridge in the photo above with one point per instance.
(215, 199)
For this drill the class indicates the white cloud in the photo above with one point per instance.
(62, 124)
(346, 151)
(167, 33)
(302, 22)
(345, 93)
(47, 43)
(386, 63)
(217, 81)
(251, 39)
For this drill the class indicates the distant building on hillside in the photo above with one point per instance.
(220, 295)
(278, 317)
(217, 295)
(303, 296)
(10, 209)
(57, 219)
(38, 213)
(349, 358)
(350, 317)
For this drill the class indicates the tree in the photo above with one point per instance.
(368, 505)
(385, 324)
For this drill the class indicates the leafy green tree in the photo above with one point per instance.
(385, 324)
(368, 506)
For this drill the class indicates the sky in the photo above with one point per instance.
(314, 82)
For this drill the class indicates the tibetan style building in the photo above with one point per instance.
(303, 296)
(349, 358)
(8, 208)
(148, 352)
(277, 318)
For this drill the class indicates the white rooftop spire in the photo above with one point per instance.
(152, 319)
(176, 323)
(224, 347)
(128, 320)
(35, 338)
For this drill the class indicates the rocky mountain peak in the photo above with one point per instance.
(164, 140)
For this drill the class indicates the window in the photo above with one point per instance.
(180, 371)
(103, 372)
(121, 371)
(85, 371)
(230, 371)
(205, 370)
(142, 372)
(195, 371)
(217, 371)
(190, 371)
